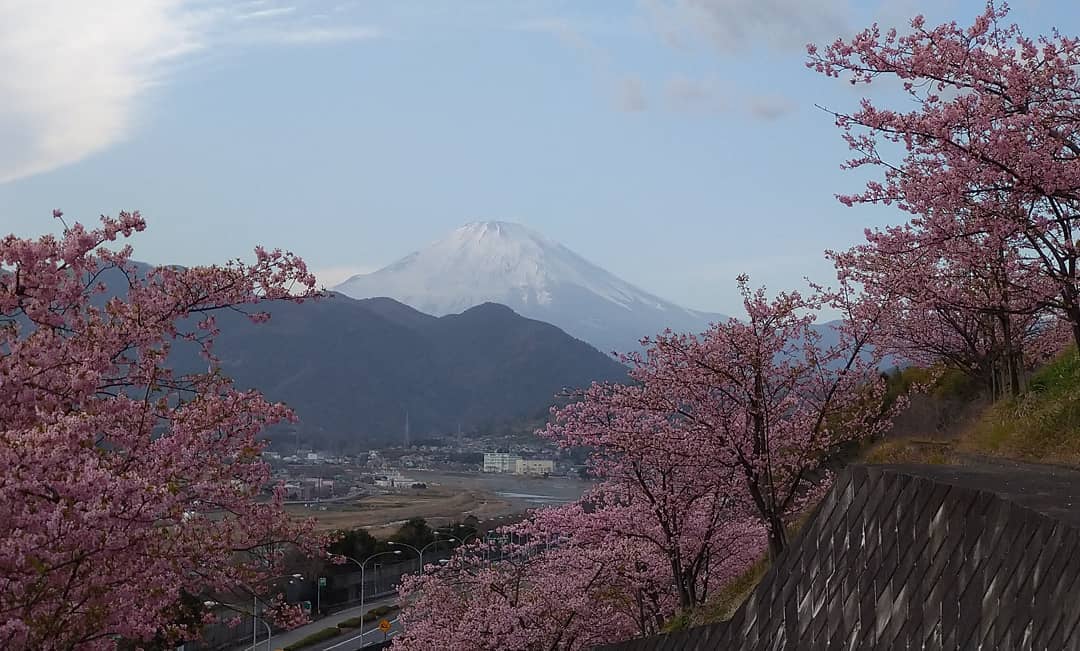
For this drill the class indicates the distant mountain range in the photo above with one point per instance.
(355, 370)
(507, 263)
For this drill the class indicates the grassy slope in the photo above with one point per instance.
(1043, 425)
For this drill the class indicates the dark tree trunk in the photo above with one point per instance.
(778, 541)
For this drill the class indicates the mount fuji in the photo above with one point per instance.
(507, 263)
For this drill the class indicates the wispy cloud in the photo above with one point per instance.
(313, 35)
(261, 14)
(705, 96)
(68, 91)
(628, 91)
(737, 25)
(679, 93)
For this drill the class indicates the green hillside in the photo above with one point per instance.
(1041, 425)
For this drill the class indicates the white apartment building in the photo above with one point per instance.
(500, 462)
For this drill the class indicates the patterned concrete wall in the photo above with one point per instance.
(895, 560)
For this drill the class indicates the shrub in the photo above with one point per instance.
(352, 622)
(314, 638)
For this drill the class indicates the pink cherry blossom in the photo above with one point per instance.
(984, 153)
(747, 411)
(123, 485)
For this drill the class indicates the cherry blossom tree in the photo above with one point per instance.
(659, 532)
(662, 529)
(641, 588)
(614, 565)
(664, 485)
(952, 301)
(572, 577)
(125, 488)
(703, 460)
(562, 598)
(992, 141)
(762, 400)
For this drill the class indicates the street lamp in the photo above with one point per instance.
(462, 543)
(255, 618)
(475, 534)
(362, 569)
(255, 609)
(419, 552)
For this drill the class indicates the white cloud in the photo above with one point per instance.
(260, 14)
(73, 74)
(313, 35)
(736, 25)
(331, 276)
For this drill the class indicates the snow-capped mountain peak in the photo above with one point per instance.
(508, 263)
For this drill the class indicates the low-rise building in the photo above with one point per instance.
(393, 480)
(534, 467)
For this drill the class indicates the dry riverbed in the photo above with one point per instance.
(449, 497)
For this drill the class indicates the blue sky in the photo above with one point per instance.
(673, 142)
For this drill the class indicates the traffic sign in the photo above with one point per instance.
(384, 625)
(322, 581)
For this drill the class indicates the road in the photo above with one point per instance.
(281, 640)
(351, 642)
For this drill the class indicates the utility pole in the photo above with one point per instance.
(406, 429)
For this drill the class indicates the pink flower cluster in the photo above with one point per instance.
(122, 485)
(985, 156)
(704, 461)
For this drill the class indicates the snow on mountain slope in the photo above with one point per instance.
(507, 263)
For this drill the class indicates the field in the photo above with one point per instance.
(449, 497)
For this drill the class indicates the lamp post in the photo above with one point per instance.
(419, 552)
(362, 569)
(255, 619)
(462, 543)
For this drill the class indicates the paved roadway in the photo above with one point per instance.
(351, 641)
(281, 640)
